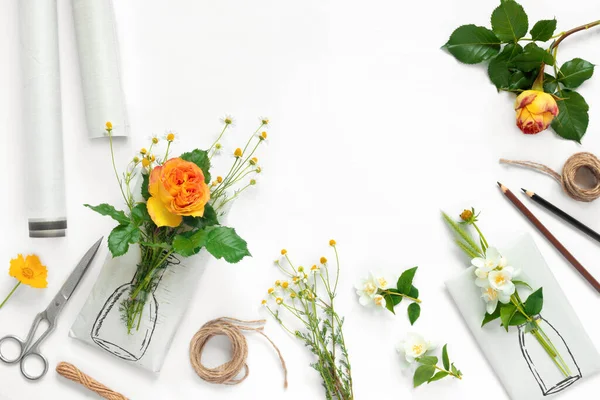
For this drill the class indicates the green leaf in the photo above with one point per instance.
(139, 214)
(507, 311)
(389, 302)
(517, 319)
(445, 358)
(428, 360)
(531, 58)
(572, 119)
(423, 374)
(550, 84)
(438, 376)
(414, 292)
(414, 311)
(543, 30)
(464, 235)
(107, 209)
(404, 284)
(121, 237)
(223, 242)
(454, 370)
(208, 219)
(509, 21)
(145, 183)
(520, 80)
(573, 73)
(534, 303)
(491, 317)
(189, 243)
(200, 158)
(522, 283)
(498, 69)
(472, 44)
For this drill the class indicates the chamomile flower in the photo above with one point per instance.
(279, 301)
(228, 120)
(315, 269)
(170, 137)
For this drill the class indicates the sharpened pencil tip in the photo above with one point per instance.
(524, 190)
(499, 184)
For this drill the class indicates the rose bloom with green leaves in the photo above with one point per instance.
(518, 63)
(178, 209)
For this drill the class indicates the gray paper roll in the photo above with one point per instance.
(99, 62)
(42, 118)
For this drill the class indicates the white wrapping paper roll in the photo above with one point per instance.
(99, 62)
(42, 118)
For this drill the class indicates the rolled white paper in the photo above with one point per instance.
(99, 62)
(42, 118)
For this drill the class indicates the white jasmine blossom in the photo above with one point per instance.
(379, 301)
(413, 346)
(366, 289)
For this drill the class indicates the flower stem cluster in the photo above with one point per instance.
(496, 279)
(244, 164)
(308, 297)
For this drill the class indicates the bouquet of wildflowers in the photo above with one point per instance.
(308, 296)
(178, 209)
(499, 285)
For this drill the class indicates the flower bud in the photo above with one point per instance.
(263, 136)
(323, 260)
(109, 126)
(332, 242)
(237, 152)
(535, 111)
(253, 161)
(466, 215)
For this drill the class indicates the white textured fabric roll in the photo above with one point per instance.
(42, 118)
(99, 62)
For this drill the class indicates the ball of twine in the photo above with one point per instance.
(569, 173)
(228, 372)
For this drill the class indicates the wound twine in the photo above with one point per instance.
(71, 372)
(569, 172)
(232, 328)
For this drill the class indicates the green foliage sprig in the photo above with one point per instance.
(429, 371)
(404, 290)
(515, 67)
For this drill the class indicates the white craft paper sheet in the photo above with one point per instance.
(99, 62)
(501, 348)
(42, 118)
(173, 295)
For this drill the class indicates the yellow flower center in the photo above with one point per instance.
(491, 293)
(379, 300)
(382, 282)
(219, 179)
(285, 284)
(237, 152)
(143, 150)
(323, 260)
(271, 290)
(370, 288)
(171, 137)
(27, 273)
(264, 302)
(263, 135)
(332, 242)
(500, 280)
(155, 140)
(283, 252)
(109, 126)
(417, 349)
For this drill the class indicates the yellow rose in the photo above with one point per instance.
(177, 189)
(535, 111)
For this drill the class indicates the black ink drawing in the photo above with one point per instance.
(108, 331)
(549, 384)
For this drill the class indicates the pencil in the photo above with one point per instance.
(544, 231)
(557, 211)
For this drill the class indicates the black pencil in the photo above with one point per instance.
(557, 211)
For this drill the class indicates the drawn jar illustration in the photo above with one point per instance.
(547, 355)
(126, 322)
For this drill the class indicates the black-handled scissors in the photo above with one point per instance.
(49, 315)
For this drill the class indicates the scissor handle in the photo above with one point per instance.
(41, 357)
(21, 344)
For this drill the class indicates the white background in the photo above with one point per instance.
(374, 130)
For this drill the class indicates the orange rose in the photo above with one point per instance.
(535, 111)
(178, 189)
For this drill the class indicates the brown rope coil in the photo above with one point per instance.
(232, 328)
(569, 172)
(71, 372)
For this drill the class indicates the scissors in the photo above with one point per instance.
(50, 316)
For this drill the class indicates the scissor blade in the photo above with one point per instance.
(71, 284)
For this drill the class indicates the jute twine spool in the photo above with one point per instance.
(71, 372)
(228, 373)
(569, 172)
